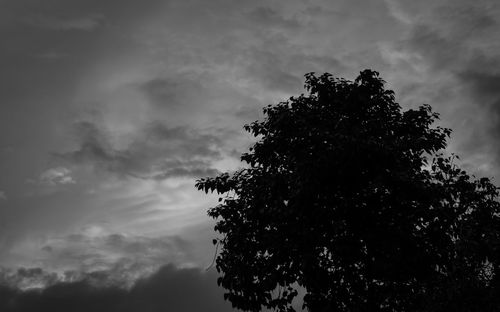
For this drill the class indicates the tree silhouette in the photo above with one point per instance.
(351, 199)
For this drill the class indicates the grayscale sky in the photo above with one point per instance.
(111, 109)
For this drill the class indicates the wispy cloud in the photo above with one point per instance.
(56, 176)
(157, 152)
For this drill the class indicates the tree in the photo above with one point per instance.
(351, 199)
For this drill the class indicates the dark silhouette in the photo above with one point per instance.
(349, 198)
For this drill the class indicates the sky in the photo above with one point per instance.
(110, 110)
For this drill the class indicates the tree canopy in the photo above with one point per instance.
(353, 200)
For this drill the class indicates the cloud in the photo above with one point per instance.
(484, 90)
(27, 278)
(83, 23)
(269, 17)
(123, 257)
(168, 289)
(453, 51)
(274, 72)
(56, 176)
(166, 76)
(157, 152)
(395, 9)
(3, 196)
(174, 92)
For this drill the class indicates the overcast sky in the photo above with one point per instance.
(110, 109)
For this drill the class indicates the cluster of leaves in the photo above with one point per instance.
(347, 197)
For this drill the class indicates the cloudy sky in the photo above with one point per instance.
(110, 110)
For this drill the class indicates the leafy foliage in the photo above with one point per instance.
(349, 198)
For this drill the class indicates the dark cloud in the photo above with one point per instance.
(485, 85)
(179, 168)
(279, 69)
(157, 152)
(440, 51)
(466, 19)
(455, 36)
(269, 17)
(484, 90)
(455, 41)
(200, 96)
(169, 289)
(176, 92)
(271, 71)
(100, 259)
(24, 278)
